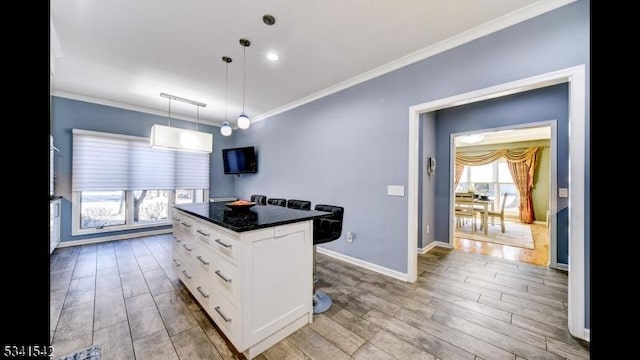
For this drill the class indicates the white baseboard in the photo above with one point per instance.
(365, 264)
(442, 244)
(102, 239)
(433, 244)
(422, 251)
(563, 267)
(587, 334)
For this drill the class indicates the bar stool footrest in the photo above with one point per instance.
(321, 302)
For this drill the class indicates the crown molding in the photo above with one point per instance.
(93, 100)
(54, 41)
(515, 17)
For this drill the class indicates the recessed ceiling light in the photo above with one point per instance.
(273, 56)
(269, 19)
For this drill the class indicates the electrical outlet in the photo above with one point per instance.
(428, 229)
(563, 192)
(349, 237)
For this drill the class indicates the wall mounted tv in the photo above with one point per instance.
(240, 160)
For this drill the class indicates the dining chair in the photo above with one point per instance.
(495, 214)
(464, 209)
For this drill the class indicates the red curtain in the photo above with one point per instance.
(522, 173)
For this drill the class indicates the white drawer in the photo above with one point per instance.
(185, 273)
(183, 222)
(219, 240)
(183, 246)
(219, 271)
(179, 236)
(178, 263)
(203, 290)
(226, 278)
(226, 316)
(203, 258)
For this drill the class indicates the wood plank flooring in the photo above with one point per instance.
(124, 296)
(539, 255)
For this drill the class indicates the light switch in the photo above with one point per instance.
(395, 190)
(563, 192)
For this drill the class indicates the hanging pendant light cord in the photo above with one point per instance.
(226, 96)
(244, 74)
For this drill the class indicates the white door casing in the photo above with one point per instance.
(575, 77)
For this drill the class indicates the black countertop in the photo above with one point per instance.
(257, 217)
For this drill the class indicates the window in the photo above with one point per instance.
(493, 180)
(119, 182)
(150, 205)
(189, 196)
(100, 209)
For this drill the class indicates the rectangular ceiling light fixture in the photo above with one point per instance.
(167, 137)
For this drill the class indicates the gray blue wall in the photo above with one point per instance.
(550, 103)
(68, 114)
(427, 184)
(347, 147)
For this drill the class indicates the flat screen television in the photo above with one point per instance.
(240, 160)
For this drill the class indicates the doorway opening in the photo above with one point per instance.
(492, 223)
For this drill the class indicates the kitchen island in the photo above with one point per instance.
(251, 270)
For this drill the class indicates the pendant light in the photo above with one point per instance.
(243, 119)
(167, 137)
(225, 129)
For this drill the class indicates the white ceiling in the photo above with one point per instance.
(509, 136)
(127, 52)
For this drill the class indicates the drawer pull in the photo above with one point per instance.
(186, 247)
(199, 288)
(185, 274)
(226, 279)
(177, 263)
(226, 319)
(178, 240)
(177, 220)
(185, 224)
(202, 233)
(202, 261)
(223, 244)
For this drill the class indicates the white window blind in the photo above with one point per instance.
(151, 169)
(103, 161)
(99, 163)
(192, 170)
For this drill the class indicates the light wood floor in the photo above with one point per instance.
(538, 256)
(124, 296)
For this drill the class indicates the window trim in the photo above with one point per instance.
(129, 224)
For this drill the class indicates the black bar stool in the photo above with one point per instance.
(299, 204)
(325, 229)
(277, 201)
(259, 199)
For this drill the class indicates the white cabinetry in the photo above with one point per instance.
(256, 285)
(54, 224)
